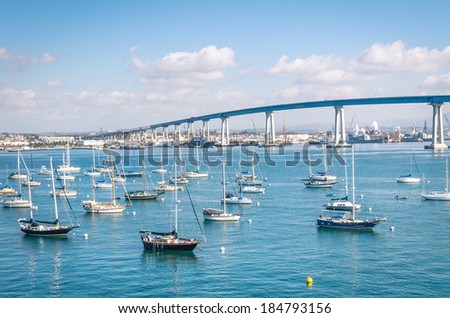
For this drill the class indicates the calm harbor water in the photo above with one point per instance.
(271, 256)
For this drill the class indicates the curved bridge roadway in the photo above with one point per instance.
(436, 101)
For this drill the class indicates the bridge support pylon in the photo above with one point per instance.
(340, 136)
(205, 130)
(438, 128)
(225, 132)
(270, 129)
(176, 135)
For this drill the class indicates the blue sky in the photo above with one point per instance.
(81, 65)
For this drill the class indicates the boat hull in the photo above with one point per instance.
(30, 227)
(169, 245)
(16, 204)
(141, 196)
(347, 224)
(218, 215)
(408, 180)
(437, 196)
(102, 207)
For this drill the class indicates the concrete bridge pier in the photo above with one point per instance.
(190, 131)
(438, 128)
(205, 130)
(165, 135)
(177, 134)
(225, 132)
(340, 136)
(270, 129)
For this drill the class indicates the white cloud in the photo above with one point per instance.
(437, 82)
(395, 58)
(310, 65)
(4, 55)
(20, 61)
(207, 64)
(380, 69)
(54, 83)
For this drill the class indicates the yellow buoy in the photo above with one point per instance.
(309, 281)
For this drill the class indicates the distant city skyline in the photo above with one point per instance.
(81, 65)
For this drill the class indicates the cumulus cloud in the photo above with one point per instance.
(437, 82)
(207, 64)
(380, 64)
(396, 58)
(310, 65)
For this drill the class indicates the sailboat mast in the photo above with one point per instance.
(410, 164)
(29, 190)
(68, 154)
(197, 158)
(143, 177)
(93, 188)
(53, 189)
(446, 174)
(346, 179)
(353, 183)
(18, 172)
(223, 189)
(176, 198)
(113, 190)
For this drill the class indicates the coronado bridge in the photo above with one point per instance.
(340, 137)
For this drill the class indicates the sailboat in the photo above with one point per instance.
(168, 241)
(93, 206)
(442, 195)
(211, 214)
(161, 169)
(45, 228)
(64, 191)
(248, 180)
(30, 181)
(345, 220)
(141, 194)
(163, 186)
(196, 173)
(44, 171)
(408, 178)
(17, 201)
(93, 173)
(342, 204)
(66, 167)
(321, 179)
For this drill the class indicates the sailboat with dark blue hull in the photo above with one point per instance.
(346, 220)
(45, 228)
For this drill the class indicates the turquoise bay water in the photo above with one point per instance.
(271, 256)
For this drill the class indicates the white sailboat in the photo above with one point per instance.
(141, 194)
(211, 214)
(342, 204)
(66, 167)
(408, 178)
(94, 206)
(16, 200)
(93, 173)
(196, 174)
(64, 191)
(161, 169)
(163, 186)
(439, 195)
